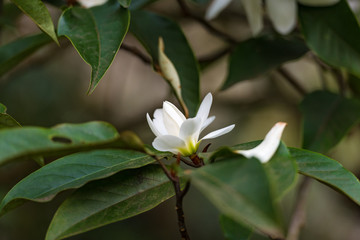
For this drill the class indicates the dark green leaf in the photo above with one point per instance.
(240, 189)
(333, 34)
(33, 141)
(354, 83)
(72, 171)
(121, 196)
(233, 230)
(38, 12)
(15, 52)
(9, 15)
(327, 171)
(6, 121)
(137, 4)
(327, 119)
(96, 33)
(256, 56)
(125, 3)
(201, 1)
(2, 108)
(148, 27)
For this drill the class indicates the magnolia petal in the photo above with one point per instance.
(168, 70)
(172, 120)
(91, 3)
(159, 122)
(318, 2)
(267, 148)
(283, 14)
(204, 108)
(215, 8)
(207, 123)
(168, 143)
(219, 132)
(190, 129)
(152, 126)
(253, 9)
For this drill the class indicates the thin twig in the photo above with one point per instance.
(189, 163)
(186, 11)
(136, 52)
(291, 80)
(298, 216)
(340, 81)
(214, 56)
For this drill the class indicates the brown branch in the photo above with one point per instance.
(340, 81)
(298, 216)
(136, 52)
(189, 163)
(186, 11)
(214, 56)
(283, 72)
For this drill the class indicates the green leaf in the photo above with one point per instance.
(33, 141)
(96, 33)
(125, 3)
(147, 28)
(138, 4)
(354, 84)
(121, 196)
(233, 230)
(327, 171)
(327, 119)
(9, 14)
(256, 56)
(240, 189)
(72, 171)
(2, 108)
(333, 34)
(6, 121)
(15, 52)
(38, 12)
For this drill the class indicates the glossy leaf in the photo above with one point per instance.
(32, 141)
(327, 119)
(240, 189)
(38, 12)
(138, 4)
(96, 33)
(327, 171)
(333, 34)
(233, 230)
(256, 56)
(148, 27)
(121, 196)
(72, 171)
(124, 3)
(15, 52)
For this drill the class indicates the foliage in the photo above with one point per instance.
(115, 176)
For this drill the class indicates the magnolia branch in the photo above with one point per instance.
(283, 72)
(298, 216)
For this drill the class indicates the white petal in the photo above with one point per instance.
(253, 9)
(204, 108)
(190, 129)
(168, 70)
(283, 14)
(318, 2)
(173, 118)
(91, 3)
(168, 143)
(219, 132)
(152, 126)
(215, 8)
(266, 149)
(159, 122)
(207, 123)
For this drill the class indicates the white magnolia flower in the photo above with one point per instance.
(91, 3)
(267, 148)
(174, 133)
(282, 13)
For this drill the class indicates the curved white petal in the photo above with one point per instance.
(267, 148)
(283, 14)
(173, 118)
(207, 123)
(152, 126)
(159, 122)
(204, 108)
(91, 3)
(253, 9)
(215, 8)
(190, 129)
(219, 132)
(168, 143)
(318, 2)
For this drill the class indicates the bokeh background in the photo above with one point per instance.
(50, 88)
